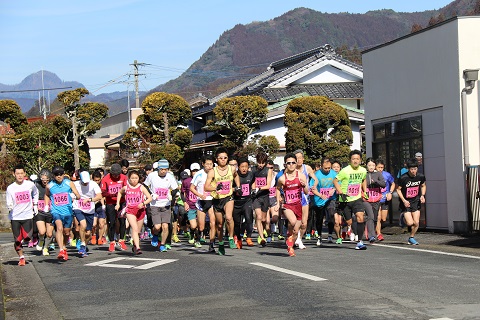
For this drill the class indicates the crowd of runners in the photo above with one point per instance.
(219, 203)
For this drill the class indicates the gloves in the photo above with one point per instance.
(238, 191)
(73, 196)
(46, 208)
(343, 197)
(253, 193)
(35, 209)
(219, 186)
(154, 196)
(104, 207)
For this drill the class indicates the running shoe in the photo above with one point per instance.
(94, 239)
(163, 248)
(259, 239)
(211, 249)
(78, 244)
(231, 243)
(176, 240)
(83, 251)
(360, 246)
(30, 244)
(263, 243)
(187, 234)
(289, 241)
(198, 245)
(352, 236)
(265, 234)
(45, 252)
(123, 246)
(111, 248)
(21, 262)
(239, 244)
(380, 237)
(301, 246)
(356, 238)
(145, 234)
(73, 242)
(154, 241)
(273, 238)
(250, 242)
(319, 242)
(202, 241)
(307, 236)
(39, 246)
(61, 255)
(101, 241)
(330, 239)
(291, 252)
(412, 241)
(221, 248)
(35, 242)
(339, 241)
(169, 247)
(51, 247)
(280, 237)
(65, 255)
(191, 241)
(269, 239)
(372, 239)
(136, 251)
(315, 234)
(297, 242)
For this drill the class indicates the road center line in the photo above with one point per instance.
(429, 251)
(295, 273)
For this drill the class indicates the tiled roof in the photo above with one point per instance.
(346, 90)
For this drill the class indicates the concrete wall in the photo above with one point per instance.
(4, 221)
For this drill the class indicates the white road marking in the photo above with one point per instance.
(295, 273)
(441, 319)
(109, 263)
(429, 251)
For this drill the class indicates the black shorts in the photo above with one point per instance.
(219, 204)
(262, 203)
(415, 205)
(384, 205)
(22, 230)
(204, 205)
(45, 217)
(348, 209)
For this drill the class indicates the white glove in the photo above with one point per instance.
(73, 196)
(154, 196)
(104, 207)
(46, 208)
(35, 209)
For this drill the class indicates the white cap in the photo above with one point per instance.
(418, 155)
(187, 171)
(33, 177)
(85, 176)
(194, 166)
(155, 165)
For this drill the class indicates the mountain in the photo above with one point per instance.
(246, 50)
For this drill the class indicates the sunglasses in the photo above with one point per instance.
(289, 163)
(222, 158)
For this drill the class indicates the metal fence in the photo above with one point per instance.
(473, 197)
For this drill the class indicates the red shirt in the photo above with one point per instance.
(111, 187)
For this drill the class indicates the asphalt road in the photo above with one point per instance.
(387, 281)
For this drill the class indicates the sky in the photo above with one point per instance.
(95, 42)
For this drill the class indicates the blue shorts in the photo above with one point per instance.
(192, 214)
(67, 220)
(305, 199)
(83, 216)
(100, 213)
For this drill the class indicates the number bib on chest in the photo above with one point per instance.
(225, 187)
(327, 192)
(353, 190)
(245, 189)
(261, 182)
(272, 192)
(60, 199)
(22, 197)
(133, 199)
(292, 196)
(41, 205)
(374, 194)
(412, 192)
(162, 193)
(114, 188)
(84, 206)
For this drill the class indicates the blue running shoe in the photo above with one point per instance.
(78, 244)
(361, 246)
(154, 241)
(163, 249)
(269, 239)
(82, 251)
(371, 239)
(307, 236)
(412, 241)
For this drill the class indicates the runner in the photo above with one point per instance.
(372, 196)
(220, 183)
(260, 195)
(84, 209)
(324, 198)
(100, 218)
(43, 219)
(336, 166)
(204, 202)
(308, 172)
(190, 208)
(161, 184)
(386, 198)
(58, 198)
(349, 183)
(242, 211)
(292, 182)
(110, 185)
(22, 204)
(273, 212)
(125, 165)
(136, 197)
(411, 190)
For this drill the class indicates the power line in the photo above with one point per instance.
(27, 90)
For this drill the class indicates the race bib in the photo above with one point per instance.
(412, 192)
(84, 206)
(353, 190)
(225, 187)
(41, 205)
(374, 194)
(327, 192)
(292, 196)
(192, 197)
(133, 199)
(162, 193)
(245, 189)
(261, 182)
(60, 199)
(114, 188)
(272, 192)
(22, 197)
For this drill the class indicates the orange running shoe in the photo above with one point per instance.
(101, 241)
(250, 242)
(289, 242)
(123, 246)
(111, 248)
(94, 239)
(65, 255)
(21, 262)
(239, 243)
(291, 252)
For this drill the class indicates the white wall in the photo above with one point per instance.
(97, 158)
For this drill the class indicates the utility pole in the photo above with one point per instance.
(135, 65)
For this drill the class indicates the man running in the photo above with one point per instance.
(22, 203)
(411, 190)
(261, 203)
(243, 204)
(386, 198)
(43, 219)
(190, 206)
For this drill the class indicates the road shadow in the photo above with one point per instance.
(470, 241)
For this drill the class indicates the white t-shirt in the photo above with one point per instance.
(198, 181)
(161, 186)
(21, 197)
(86, 191)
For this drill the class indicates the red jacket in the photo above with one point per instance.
(111, 187)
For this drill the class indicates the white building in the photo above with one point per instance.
(413, 96)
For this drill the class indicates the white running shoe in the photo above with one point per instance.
(356, 238)
(319, 242)
(298, 241)
(352, 236)
(301, 246)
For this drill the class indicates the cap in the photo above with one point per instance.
(194, 166)
(163, 164)
(155, 166)
(33, 177)
(115, 169)
(184, 175)
(85, 176)
(187, 171)
(418, 155)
